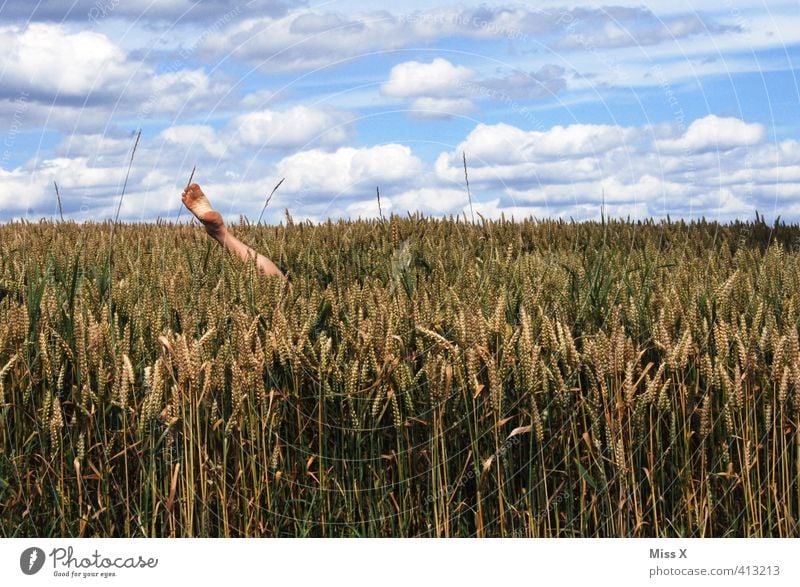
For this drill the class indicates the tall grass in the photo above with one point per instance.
(422, 377)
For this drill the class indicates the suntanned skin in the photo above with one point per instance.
(198, 204)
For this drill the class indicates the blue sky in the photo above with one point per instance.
(683, 108)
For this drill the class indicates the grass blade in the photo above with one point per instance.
(275, 189)
(466, 179)
(58, 197)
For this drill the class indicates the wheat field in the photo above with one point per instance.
(420, 377)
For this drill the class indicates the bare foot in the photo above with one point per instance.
(197, 202)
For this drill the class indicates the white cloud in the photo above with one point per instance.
(560, 172)
(579, 140)
(46, 59)
(308, 39)
(495, 209)
(258, 99)
(494, 150)
(95, 145)
(348, 170)
(438, 79)
(20, 192)
(305, 40)
(72, 74)
(618, 26)
(297, 126)
(718, 167)
(368, 208)
(90, 170)
(436, 89)
(175, 92)
(189, 135)
(432, 200)
(85, 184)
(715, 133)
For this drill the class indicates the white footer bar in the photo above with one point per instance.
(401, 562)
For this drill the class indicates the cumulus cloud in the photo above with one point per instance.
(20, 192)
(441, 89)
(502, 146)
(347, 170)
(49, 61)
(90, 170)
(435, 201)
(190, 135)
(437, 79)
(96, 145)
(89, 186)
(717, 167)
(80, 173)
(566, 171)
(714, 133)
(70, 74)
(297, 126)
(435, 88)
(563, 172)
(89, 167)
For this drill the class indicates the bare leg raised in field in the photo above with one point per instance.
(198, 204)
